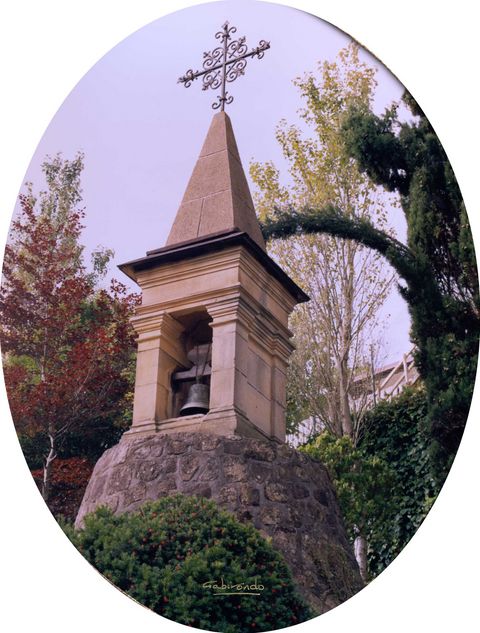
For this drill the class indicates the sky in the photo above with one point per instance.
(141, 131)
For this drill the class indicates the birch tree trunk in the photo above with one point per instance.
(47, 468)
(360, 550)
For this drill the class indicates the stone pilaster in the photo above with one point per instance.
(229, 390)
(281, 351)
(159, 354)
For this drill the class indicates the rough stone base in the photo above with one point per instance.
(284, 493)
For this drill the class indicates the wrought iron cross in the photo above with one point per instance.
(224, 64)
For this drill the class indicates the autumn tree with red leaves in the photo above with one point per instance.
(67, 344)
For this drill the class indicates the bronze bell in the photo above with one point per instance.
(197, 400)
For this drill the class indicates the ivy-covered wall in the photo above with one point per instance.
(397, 433)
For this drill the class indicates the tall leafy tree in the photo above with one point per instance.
(347, 283)
(437, 265)
(66, 344)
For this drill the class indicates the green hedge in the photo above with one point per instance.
(396, 431)
(387, 483)
(170, 553)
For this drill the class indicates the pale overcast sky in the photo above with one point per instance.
(141, 132)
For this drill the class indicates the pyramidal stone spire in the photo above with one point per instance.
(217, 198)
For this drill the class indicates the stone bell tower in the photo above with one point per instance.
(213, 349)
(214, 311)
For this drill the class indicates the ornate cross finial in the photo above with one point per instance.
(224, 63)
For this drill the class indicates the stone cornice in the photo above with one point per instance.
(214, 243)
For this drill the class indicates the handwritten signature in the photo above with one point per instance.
(221, 588)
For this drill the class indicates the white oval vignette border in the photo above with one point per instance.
(46, 48)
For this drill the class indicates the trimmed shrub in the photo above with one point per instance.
(190, 562)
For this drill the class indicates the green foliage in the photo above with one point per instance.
(34, 448)
(396, 433)
(66, 526)
(68, 346)
(362, 481)
(163, 554)
(385, 485)
(437, 266)
(444, 304)
(335, 331)
(297, 404)
(91, 441)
